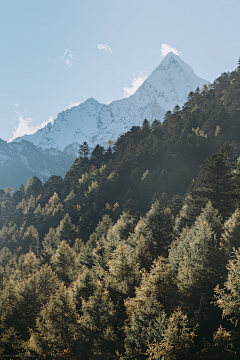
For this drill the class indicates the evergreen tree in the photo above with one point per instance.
(9, 300)
(19, 194)
(146, 125)
(197, 256)
(11, 343)
(57, 331)
(35, 292)
(28, 264)
(98, 321)
(83, 150)
(156, 227)
(231, 234)
(97, 155)
(141, 254)
(228, 297)
(50, 215)
(83, 287)
(84, 258)
(221, 348)
(216, 184)
(34, 187)
(66, 230)
(145, 322)
(49, 244)
(63, 262)
(123, 272)
(30, 240)
(177, 339)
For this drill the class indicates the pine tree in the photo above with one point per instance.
(157, 228)
(30, 240)
(97, 155)
(9, 300)
(231, 234)
(197, 257)
(34, 187)
(63, 262)
(228, 298)
(216, 183)
(11, 343)
(221, 348)
(98, 321)
(83, 150)
(146, 320)
(84, 258)
(146, 126)
(177, 339)
(123, 272)
(83, 287)
(141, 254)
(50, 215)
(35, 292)
(50, 243)
(28, 264)
(66, 230)
(57, 331)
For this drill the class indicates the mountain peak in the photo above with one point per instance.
(167, 86)
(172, 59)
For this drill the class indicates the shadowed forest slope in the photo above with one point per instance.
(135, 253)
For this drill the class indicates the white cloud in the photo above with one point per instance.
(26, 128)
(72, 104)
(136, 83)
(165, 49)
(68, 57)
(76, 103)
(105, 47)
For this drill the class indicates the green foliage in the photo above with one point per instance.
(63, 262)
(66, 230)
(123, 257)
(197, 256)
(227, 298)
(57, 326)
(177, 339)
(97, 320)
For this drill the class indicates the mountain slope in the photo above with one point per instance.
(167, 86)
(19, 161)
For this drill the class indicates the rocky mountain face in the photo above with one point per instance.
(20, 161)
(168, 85)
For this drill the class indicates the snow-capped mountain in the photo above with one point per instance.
(167, 86)
(19, 161)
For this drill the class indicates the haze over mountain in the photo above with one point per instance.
(168, 86)
(20, 161)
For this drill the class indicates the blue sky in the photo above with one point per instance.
(57, 53)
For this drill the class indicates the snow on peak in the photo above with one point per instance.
(175, 60)
(167, 86)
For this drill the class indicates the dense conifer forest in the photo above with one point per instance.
(135, 254)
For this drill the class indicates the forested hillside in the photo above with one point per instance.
(135, 253)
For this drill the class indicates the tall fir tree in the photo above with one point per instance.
(57, 331)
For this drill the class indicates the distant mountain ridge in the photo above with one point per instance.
(20, 161)
(168, 86)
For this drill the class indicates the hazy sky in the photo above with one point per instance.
(57, 53)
